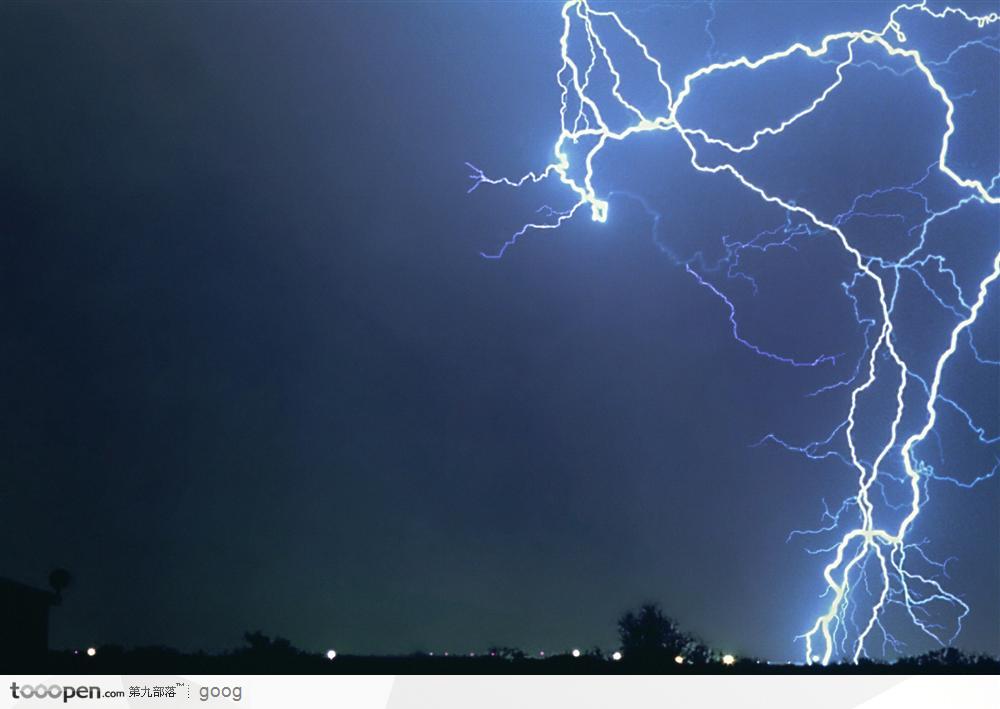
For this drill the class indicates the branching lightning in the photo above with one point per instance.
(868, 554)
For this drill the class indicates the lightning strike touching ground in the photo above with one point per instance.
(873, 551)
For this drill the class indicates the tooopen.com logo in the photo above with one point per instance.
(57, 691)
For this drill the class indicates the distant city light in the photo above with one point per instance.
(679, 659)
(541, 653)
(330, 654)
(91, 652)
(616, 656)
(728, 660)
(815, 658)
(576, 653)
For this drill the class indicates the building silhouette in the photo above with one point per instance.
(24, 621)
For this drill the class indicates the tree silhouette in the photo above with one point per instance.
(649, 635)
(59, 580)
(261, 644)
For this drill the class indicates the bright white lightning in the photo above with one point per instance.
(888, 546)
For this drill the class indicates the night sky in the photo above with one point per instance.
(256, 374)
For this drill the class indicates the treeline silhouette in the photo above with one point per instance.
(650, 643)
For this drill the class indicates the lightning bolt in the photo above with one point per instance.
(868, 554)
